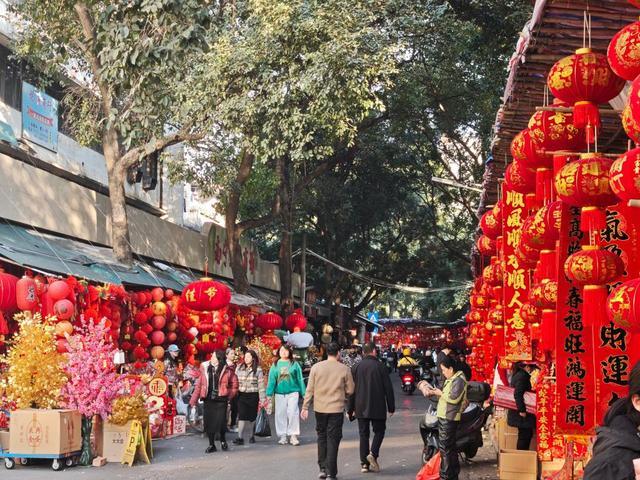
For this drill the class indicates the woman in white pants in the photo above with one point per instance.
(285, 381)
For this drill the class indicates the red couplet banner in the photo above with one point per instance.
(616, 349)
(517, 334)
(575, 367)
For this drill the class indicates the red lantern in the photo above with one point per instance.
(492, 274)
(296, 321)
(544, 295)
(528, 256)
(486, 246)
(157, 294)
(540, 231)
(586, 182)
(271, 340)
(490, 225)
(269, 321)
(553, 131)
(624, 52)
(630, 125)
(624, 176)
(63, 309)
(635, 3)
(27, 294)
(58, 290)
(157, 337)
(496, 315)
(585, 80)
(479, 301)
(526, 152)
(519, 178)
(530, 313)
(158, 322)
(8, 287)
(476, 315)
(623, 305)
(205, 295)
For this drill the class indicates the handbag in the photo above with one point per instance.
(263, 429)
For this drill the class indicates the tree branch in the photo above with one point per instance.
(134, 155)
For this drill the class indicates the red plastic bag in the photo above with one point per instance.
(431, 469)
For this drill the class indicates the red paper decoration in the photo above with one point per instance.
(585, 80)
(623, 305)
(520, 178)
(206, 295)
(624, 52)
(492, 274)
(496, 315)
(58, 290)
(530, 313)
(624, 176)
(476, 316)
(63, 309)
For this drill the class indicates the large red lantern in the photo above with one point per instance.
(8, 297)
(624, 176)
(624, 52)
(630, 125)
(490, 225)
(635, 3)
(540, 231)
(269, 321)
(585, 80)
(519, 178)
(527, 255)
(525, 151)
(585, 182)
(296, 321)
(623, 305)
(27, 294)
(486, 246)
(206, 295)
(553, 131)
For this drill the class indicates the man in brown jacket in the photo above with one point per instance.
(330, 385)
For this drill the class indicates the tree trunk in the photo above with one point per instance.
(119, 220)
(283, 169)
(240, 280)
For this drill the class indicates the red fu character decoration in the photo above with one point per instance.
(585, 80)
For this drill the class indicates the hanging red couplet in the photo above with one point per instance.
(616, 349)
(575, 375)
(517, 334)
(545, 419)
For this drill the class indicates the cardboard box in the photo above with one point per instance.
(4, 440)
(45, 432)
(114, 440)
(518, 465)
(179, 424)
(507, 436)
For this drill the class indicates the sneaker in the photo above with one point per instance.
(233, 428)
(364, 468)
(252, 439)
(294, 440)
(373, 463)
(283, 440)
(211, 449)
(224, 445)
(322, 474)
(238, 441)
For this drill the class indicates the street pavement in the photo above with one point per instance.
(184, 458)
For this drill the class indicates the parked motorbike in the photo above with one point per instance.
(469, 434)
(408, 378)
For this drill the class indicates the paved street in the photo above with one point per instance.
(184, 458)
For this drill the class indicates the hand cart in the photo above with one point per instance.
(58, 461)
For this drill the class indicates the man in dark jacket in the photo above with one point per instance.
(519, 418)
(616, 446)
(441, 354)
(372, 399)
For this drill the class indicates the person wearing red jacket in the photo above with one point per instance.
(217, 385)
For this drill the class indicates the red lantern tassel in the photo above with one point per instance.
(548, 264)
(548, 330)
(543, 186)
(594, 311)
(587, 116)
(592, 219)
(530, 202)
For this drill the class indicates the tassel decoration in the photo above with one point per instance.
(548, 330)
(594, 305)
(587, 116)
(592, 220)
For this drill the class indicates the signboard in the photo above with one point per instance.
(39, 117)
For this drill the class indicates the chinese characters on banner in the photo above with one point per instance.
(575, 376)
(615, 352)
(545, 405)
(517, 334)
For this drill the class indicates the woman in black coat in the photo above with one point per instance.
(618, 440)
(519, 418)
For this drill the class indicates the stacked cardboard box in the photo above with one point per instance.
(45, 432)
(518, 465)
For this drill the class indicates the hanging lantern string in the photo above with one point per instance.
(206, 266)
(586, 29)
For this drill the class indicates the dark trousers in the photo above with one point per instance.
(215, 419)
(449, 462)
(524, 438)
(379, 427)
(234, 411)
(329, 430)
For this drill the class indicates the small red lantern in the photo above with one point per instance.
(58, 290)
(8, 286)
(296, 321)
(624, 52)
(271, 340)
(63, 309)
(206, 295)
(585, 80)
(530, 313)
(553, 131)
(269, 321)
(492, 274)
(496, 315)
(478, 301)
(635, 3)
(490, 225)
(623, 305)
(476, 315)
(526, 152)
(586, 182)
(630, 125)
(544, 295)
(27, 294)
(519, 178)
(541, 230)
(486, 246)
(624, 176)
(528, 256)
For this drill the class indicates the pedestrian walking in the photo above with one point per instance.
(233, 404)
(519, 418)
(330, 385)
(251, 395)
(372, 399)
(217, 384)
(286, 382)
(451, 403)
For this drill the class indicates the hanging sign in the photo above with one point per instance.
(39, 117)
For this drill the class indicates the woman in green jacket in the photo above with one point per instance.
(286, 382)
(451, 404)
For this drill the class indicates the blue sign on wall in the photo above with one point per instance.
(39, 117)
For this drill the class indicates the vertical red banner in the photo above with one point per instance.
(575, 366)
(616, 349)
(517, 334)
(545, 419)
